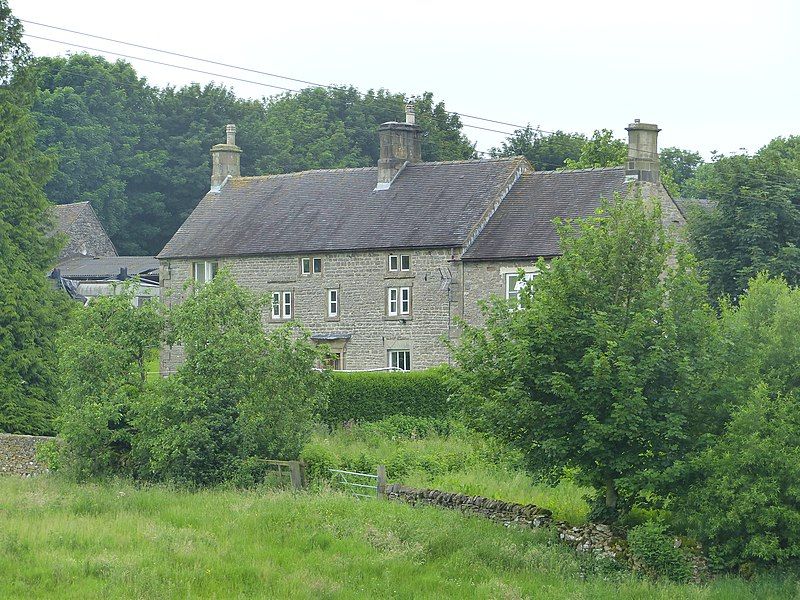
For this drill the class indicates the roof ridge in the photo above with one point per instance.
(71, 203)
(553, 171)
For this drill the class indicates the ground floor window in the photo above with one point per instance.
(282, 305)
(399, 359)
(335, 360)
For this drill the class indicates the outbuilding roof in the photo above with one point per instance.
(107, 267)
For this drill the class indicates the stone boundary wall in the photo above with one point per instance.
(18, 454)
(592, 537)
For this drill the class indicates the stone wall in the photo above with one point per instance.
(484, 279)
(18, 454)
(361, 279)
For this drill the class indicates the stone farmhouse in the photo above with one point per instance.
(378, 262)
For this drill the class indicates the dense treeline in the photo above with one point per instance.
(139, 153)
(28, 306)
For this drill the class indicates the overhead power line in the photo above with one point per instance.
(251, 70)
(248, 69)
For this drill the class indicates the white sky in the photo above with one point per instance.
(715, 75)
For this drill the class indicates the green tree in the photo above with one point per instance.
(604, 366)
(755, 224)
(600, 150)
(681, 164)
(102, 352)
(546, 152)
(240, 396)
(28, 305)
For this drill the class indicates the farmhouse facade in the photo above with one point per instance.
(381, 262)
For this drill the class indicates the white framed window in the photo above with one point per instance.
(515, 283)
(399, 359)
(309, 265)
(282, 306)
(398, 301)
(333, 304)
(204, 271)
(399, 262)
(405, 301)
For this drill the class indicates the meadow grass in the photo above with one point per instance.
(113, 540)
(459, 461)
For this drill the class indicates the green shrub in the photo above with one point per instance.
(372, 396)
(49, 454)
(745, 504)
(653, 551)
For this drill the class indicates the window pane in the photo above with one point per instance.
(392, 301)
(317, 265)
(393, 262)
(405, 262)
(287, 305)
(211, 270)
(511, 285)
(305, 266)
(198, 272)
(276, 305)
(333, 303)
(405, 300)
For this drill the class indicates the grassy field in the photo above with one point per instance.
(456, 461)
(63, 540)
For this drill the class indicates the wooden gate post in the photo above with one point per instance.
(295, 474)
(381, 482)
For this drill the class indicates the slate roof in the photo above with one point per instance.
(522, 226)
(686, 205)
(65, 215)
(428, 205)
(106, 267)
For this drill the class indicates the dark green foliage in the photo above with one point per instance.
(102, 352)
(546, 152)
(140, 153)
(654, 552)
(681, 165)
(755, 225)
(371, 396)
(29, 307)
(604, 367)
(745, 504)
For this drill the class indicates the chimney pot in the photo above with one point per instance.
(225, 159)
(411, 116)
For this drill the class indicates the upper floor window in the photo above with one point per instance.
(399, 359)
(204, 271)
(309, 265)
(399, 262)
(398, 301)
(333, 304)
(515, 283)
(282, 306)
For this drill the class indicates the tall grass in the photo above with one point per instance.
(62, 540)
(446, 456)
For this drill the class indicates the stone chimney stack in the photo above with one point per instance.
(225, 159)
(400, 143)
(643, 151)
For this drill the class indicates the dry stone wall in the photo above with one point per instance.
(18, 454)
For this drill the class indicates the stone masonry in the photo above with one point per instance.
(361, 279)
(18, 454)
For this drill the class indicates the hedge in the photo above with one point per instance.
(375, 395)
